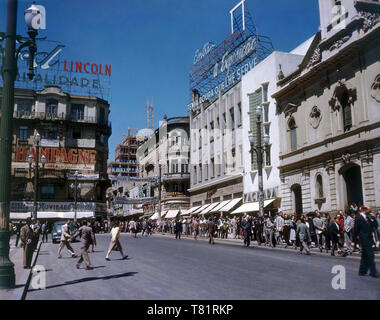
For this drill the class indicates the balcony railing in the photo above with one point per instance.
(21, 114)
(176, 176)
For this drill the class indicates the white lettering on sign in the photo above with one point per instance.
(200, 54)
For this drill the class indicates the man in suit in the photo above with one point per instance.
(45, 231)
(303, 235)
(363, 230)
(211, 227)
(86, 238)
(178, 229)
(246, 225)
(65, 240)
(26, 236)
(335, 235)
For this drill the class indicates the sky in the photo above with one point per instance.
(150, 44)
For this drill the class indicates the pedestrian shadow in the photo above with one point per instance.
(68, 283)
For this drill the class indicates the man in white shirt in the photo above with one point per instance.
(115, 243)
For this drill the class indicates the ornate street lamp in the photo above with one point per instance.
(259, 149)
(37, 139)
(75, 187)
(9, 72)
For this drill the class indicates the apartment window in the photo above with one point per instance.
(267, 129)
(293, 134)
(268, 161)
(52, 107)
(77, 111)
(102, 116)
(319, 187)
(77, 134)
(346, 109)
(47, 191)
(232, 116)
(50, 133)
(195, 174)
(23, 134)
(266, 112)
(265, 92)
(212, 168)
(239, 114)
(24, 106)
(255, 100)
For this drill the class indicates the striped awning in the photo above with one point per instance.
(231, 205)
(191, 210)
(252, 206)
(171, 214)
(210, 207)
(220, 206)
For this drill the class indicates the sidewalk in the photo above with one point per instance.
(239, 242)
(22, 275)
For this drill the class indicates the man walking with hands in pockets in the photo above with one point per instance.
(115, 243)
(65, 240)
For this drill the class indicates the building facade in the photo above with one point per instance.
(166, 154)
(329, 109)
(74, 134)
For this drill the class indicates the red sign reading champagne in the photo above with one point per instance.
(54, 155)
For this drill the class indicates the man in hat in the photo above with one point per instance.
(26, 236)
(211, 226)
(86, 238)
(363, 229)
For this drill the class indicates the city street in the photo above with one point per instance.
(161, 268)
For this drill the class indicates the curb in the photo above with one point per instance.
(277, 248)
(30, 273)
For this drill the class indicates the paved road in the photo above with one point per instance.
(164, 268)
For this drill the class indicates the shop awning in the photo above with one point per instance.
(231, 204)
(171, 214)
(184, 212)
(201, 209)
(154, 216)
(191, 210)
(210, 207)
(252, 207)
(220, 206)
(52, 215)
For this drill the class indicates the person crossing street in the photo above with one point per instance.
(65, 240)
(115, 243)
(87, 237)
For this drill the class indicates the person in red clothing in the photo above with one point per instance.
(341, 226)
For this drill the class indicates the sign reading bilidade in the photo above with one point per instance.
(60, 158)
(82, 77)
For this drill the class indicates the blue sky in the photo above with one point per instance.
(150, 44)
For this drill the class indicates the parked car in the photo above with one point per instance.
(57, 230)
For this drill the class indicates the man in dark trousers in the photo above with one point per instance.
(211, 226)
(178, 229)
(363, 230)
(246, 225)
(86, 238)
(335, 235)
(26, 235)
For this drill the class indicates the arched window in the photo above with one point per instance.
(319, 187)
(293, 134)
(346, 111)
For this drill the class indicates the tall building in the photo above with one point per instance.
(167, 150)
(329, 109)
(74, 134)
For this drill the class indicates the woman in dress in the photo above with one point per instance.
(293, 228)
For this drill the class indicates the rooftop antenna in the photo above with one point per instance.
(149, 109)
(242, 5)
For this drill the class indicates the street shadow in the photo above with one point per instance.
(68, 283)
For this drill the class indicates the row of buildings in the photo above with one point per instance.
(320, 108)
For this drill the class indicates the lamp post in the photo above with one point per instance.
(75, 187)
(159, 189)
(9, 72)
(259, 149)
(37, 139)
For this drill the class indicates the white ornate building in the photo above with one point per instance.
(329, 110)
